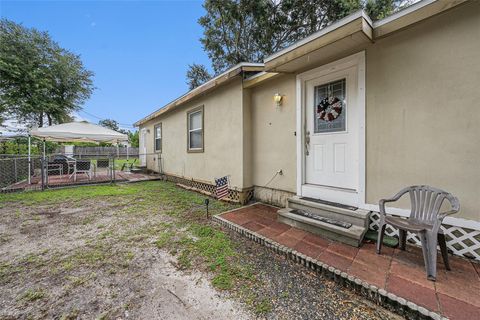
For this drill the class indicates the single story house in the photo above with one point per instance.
(350, 115)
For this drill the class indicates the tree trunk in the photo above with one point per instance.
(40, 120)
(49, 119)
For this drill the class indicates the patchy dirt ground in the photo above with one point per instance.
(146, 251)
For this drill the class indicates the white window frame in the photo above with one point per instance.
(155, 138)
(201, 129)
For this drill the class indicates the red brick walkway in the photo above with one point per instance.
(455, 294)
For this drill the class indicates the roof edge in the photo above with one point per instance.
(417, 12)
(403, 12)
(440, 5)
(200, 89)
(259, 78)
(351, 17)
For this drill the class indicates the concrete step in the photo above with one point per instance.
(356, 217)
(352, 236)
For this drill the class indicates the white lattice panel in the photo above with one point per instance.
(461, 241)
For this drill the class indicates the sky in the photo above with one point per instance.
(138, 50)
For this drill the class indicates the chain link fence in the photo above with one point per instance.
(58, 170)
(14, 169)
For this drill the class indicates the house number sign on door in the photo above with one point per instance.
(330, 110)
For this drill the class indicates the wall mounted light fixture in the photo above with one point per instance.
(278, 99)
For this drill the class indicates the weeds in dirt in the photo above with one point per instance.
(263, 307)
(72, 315)
(32, 294)
(79, 281)
(259, 304)
(109, 247)
(99, 258)
(164, 238)
(105, 235)
(184, 260)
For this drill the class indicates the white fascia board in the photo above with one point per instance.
(404, 12)
(322, 32)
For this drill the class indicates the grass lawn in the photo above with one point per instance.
(119, 162)
(142, 251)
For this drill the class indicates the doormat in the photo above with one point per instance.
(345, 225)
(329, 203)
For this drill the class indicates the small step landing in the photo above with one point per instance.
(340, 223)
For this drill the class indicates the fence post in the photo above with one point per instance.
(15, 169)
(29, 160)
(113, 168)
(42, 173)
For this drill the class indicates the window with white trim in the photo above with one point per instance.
(195, 130)
(158, 137)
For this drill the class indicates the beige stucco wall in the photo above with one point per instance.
(223, 140)
(273, 134)
(422, 113)
(422, 119)
(247, 134)
(423, 109)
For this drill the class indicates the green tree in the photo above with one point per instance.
(237, 31)
(39, 80)
(248, 30)
(133, 138)
(379, 9)
(197, 75)
(111, 124)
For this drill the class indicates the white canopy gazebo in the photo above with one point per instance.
(75, 132)
(79, 132)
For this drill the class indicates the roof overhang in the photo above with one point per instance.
(258, 78)
(415, 13)
(208, 86)
(345, 36)
(351, 34)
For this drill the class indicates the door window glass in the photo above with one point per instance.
(330, 107)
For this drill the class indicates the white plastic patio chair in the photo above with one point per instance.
(425, 220)
(83, 166)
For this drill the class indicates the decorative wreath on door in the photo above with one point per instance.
(329, 109)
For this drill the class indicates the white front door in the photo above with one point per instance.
(333, 132)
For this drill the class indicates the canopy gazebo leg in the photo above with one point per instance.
(29, 160)
(44, 168)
